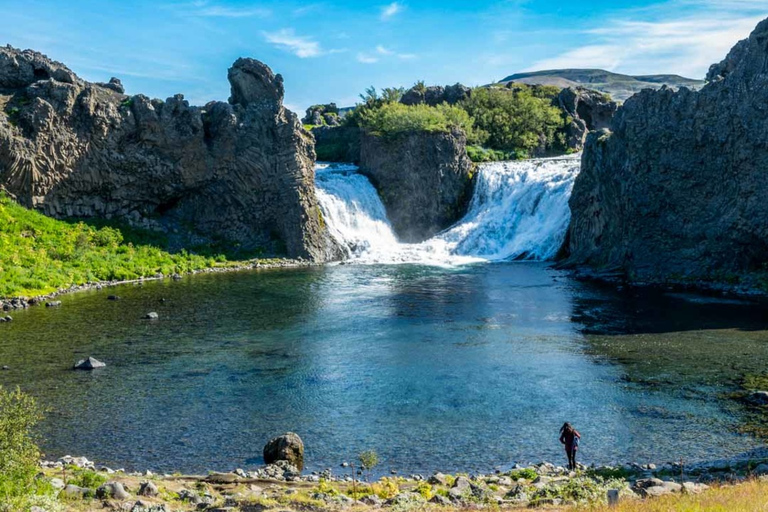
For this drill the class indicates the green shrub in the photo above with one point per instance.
(88, 478)
(19, 454)
(525, 473)
(425, 490)
(481, 154)
(395, 119)
(522, 119)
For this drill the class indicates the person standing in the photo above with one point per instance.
(570, 437)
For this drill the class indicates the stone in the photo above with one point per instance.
(372, 500)
(8, 318)
(674, 189)
(112, 490)
(57, 483)
(694, 487)
(758, 398)
(151, 316)
(424, 180)
(53, 304)
(288, 447)
(190, 496)
(434, 95)
(760, 470)
(73, 491)
(438, 479)
(241, 172)
(113, 297)
(222, 478)
(439, 499)
(90, 363)
(148, 489)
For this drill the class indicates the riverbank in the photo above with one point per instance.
(14, 303)
(79, 485)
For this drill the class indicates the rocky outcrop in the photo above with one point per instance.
(435, 94)
(675, 190)
(587, 110)
(424, 180)
(240, 174)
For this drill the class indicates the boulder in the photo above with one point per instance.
(73, 491)
(438, 479)
(53, 304)
(151, 316)
(758, 398)
(239, 173)
(112, 490)
(89, 364)
(288, 447)
(148, 489)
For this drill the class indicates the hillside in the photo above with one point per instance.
(619, 86)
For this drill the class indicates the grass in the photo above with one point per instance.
(39, 255)
(751, 496)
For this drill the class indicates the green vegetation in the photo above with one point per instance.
(87, 478)
(395, 119)
(39, 254)
(500, 123)
(19, 454)
(578, 490)
(369, 459)
(523, 474)
(518, 120)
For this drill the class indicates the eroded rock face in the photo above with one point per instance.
(588, 110)
(424, 180)
(676, 189)
(238, 173)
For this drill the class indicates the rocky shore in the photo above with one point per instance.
(84, 485)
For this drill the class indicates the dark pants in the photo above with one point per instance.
(570, 451)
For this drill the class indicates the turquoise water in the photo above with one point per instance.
(469, 369)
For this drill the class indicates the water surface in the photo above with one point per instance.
(467, 368)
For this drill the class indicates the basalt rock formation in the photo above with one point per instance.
(238, 173)
(588, 111)
(675, 190)
(424, 180)
(435, 95)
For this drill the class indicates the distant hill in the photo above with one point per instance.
(619, 86)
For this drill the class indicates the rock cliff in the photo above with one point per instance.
(587, 110)
(424, 180)
(675, 190)
(238, 173)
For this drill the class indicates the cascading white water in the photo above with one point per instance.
(519, 211)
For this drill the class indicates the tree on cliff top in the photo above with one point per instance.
(393, 119)
(520, 120)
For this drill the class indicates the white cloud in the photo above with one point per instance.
(685, 46)
(301, 46)
(366, 58)
(207, 10)
(383, 51)
(389, 11)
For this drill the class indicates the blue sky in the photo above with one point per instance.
(332, 50)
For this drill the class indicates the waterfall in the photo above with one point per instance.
(519, 211)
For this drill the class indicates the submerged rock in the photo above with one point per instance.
(89, 364)
(151, 316)
(288, 447)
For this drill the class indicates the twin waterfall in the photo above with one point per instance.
(519, 210)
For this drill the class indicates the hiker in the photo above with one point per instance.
(570, 437)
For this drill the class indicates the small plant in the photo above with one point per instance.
(369, 459)
(425, 489)
(88, 478)
(386, 489)
(325, 487)
(523, 474)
